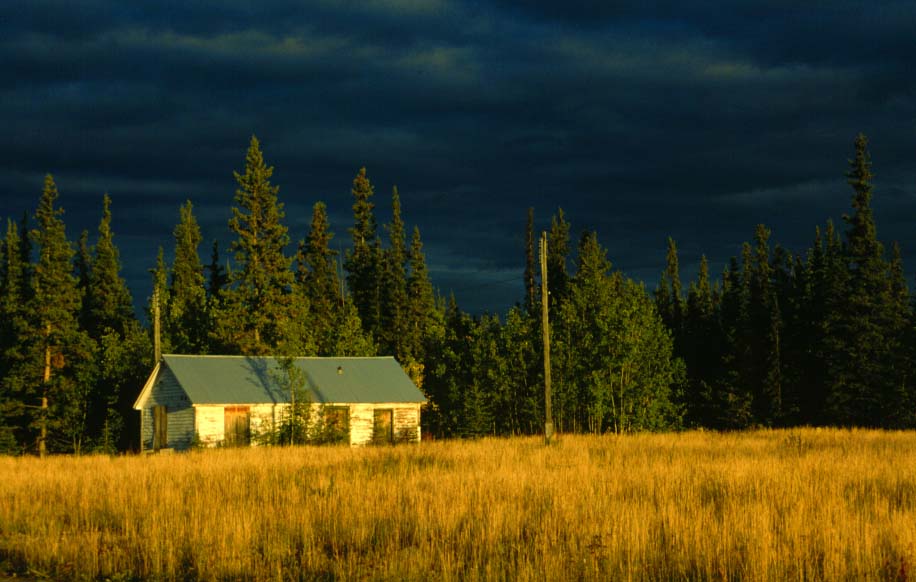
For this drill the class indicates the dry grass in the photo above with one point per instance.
(768, 505)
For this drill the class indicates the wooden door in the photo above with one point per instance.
(237, 426)
(160, 427)
(382, 426)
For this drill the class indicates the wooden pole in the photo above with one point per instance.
(157, 342)
(548, 416)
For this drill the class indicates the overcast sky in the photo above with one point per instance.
(642, 120)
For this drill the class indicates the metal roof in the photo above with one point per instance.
(260, 380)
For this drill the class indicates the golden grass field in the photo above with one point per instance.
(766, 505)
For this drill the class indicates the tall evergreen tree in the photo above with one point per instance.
(187, 320)
(669, 298)
(860, 364)
(13, 332)
(218, 278)
(790, 286)
(422, 315)
(110, 304)
(260, 312)
(732, 394)
(12, 297)
(828, 281)
(48, 378)
(557, 256)
(84, 278)
(764, 368)
(114, 368)
(320, 280)
(701, 349)
(393, 336)
(362, 261)
(900, 400)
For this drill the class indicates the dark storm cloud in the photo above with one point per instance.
(641, 121)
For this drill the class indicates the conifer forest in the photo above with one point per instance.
(783, 337)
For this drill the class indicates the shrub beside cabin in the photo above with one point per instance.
(241, 400)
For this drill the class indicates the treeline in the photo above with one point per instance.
(73, 355)
(823, 338)
(820, 338)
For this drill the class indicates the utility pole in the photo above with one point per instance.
(548, 417)
(157, 342)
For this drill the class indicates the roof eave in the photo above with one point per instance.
(147, 388)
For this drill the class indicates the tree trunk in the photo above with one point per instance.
(46, 379)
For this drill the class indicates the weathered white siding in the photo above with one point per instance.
(406, 421)
(167, 392)
(211, 424)
(361, 420)
(264, 421)
(207, 421)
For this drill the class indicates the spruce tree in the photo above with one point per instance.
(83, 265)
(260, 313)
(422, 315)
(109, 303)
(732, 396)
(557, 254)
(674, 315)
(218, 278)
(860, 362)
(12, 299)
(56, 348)
(111, 325)
(900, 399)
(320, 280)
(362, 261)
(764, 368)
(13, 330)
(348, 338)
(159, 299)
(701, 350)
(25, 254)
(829, 281)
(393, 337)
(790, 288)
(187, 320)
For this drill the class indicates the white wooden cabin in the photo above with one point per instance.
(234, 400)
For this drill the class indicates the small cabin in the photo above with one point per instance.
(240, 400)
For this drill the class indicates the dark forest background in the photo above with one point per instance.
(819, 336)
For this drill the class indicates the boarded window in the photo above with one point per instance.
(160, 427)
(238, 426)
(382, 426)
